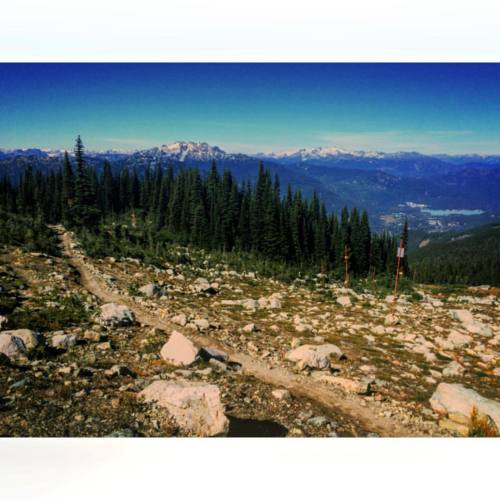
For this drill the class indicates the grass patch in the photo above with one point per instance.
(72, 311)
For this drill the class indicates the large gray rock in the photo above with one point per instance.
(116, 315)
(453, 369)
(201, 285)
(179, 350)
(196, 406)
(314, 356)
(462, 315)
(150, 290)
(30, 338)
(470, 324)
(459, 339)
(457, 399)
(11, 345)
(61, 340)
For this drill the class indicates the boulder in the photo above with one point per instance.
(116, 315)
(479, 328)
(201, 323)
(150, 290)
(303, 327)
(281, 394)
(263, 302)
(249, 328)
(391, 320)
(250, 304)
(462, 315)
(180, 319)
(313, 356)
(30, 338)
(196, 406)
(274, 303)
(378, 330)
(11, 346)
(179, 350)
(344, 301)
(454, 369)
(457, 399)
(201, 285)
(61, 340)
(459, 339)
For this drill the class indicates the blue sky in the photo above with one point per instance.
(431, 108)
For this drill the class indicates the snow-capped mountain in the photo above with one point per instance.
(323, 154)
(186, 152)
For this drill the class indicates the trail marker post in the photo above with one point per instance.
(400, 255)
(346, 261)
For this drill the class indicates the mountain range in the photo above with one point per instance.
(435, 192)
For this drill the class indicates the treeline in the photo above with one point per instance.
(211, 211)
(469, 259)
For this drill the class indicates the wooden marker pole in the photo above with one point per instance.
(400, 255)
(346, 261)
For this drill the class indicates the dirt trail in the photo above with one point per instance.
(298, 385)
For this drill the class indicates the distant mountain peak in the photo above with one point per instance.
(321, 153)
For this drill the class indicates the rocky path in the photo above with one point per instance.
(299, 385)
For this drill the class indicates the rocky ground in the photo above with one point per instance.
(74, 366)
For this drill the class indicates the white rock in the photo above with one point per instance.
(249, 328)
(263, 302)
(196, 406)
(150, 290)
(30, 338)
(303, 327)
(458, 339)
(250, 304)
(344, 301)
(455, 398)
(179, 350)
(391, 320)
(3, 321)
(116, 315)
(274, 303)
(61, 340)
(453, 369)
(180, 319)
(479, 328)
(379, 330)
(281, 394)
(462, 315)
(201, 324)
(10, 345)
(314, 356)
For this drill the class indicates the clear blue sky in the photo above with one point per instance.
(253, 107)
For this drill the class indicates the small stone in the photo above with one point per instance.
(281, 394)
(344, 301)
(249, 328)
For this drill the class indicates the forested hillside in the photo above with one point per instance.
(471, 258)
(212, 211)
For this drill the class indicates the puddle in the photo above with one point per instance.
(247, 427)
